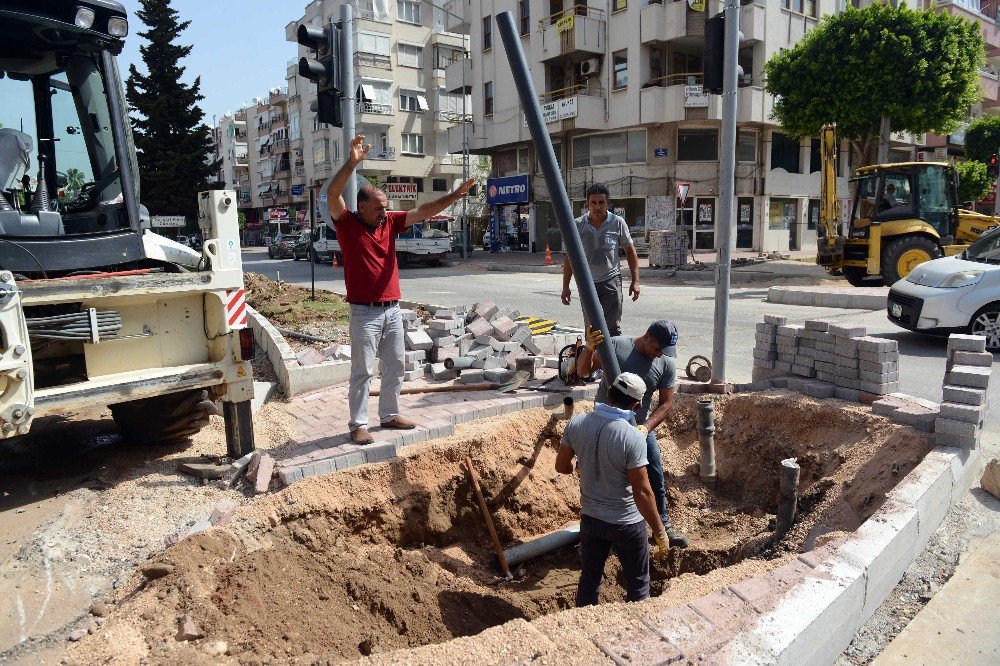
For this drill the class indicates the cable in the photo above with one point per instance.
(75, 326)
(29, 253)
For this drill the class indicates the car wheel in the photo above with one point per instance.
(986, 322)
(858, 277)
(295, 256)
(904, 254)
(270, 254)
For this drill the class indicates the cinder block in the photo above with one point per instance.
(982, 360)
(966, 343)
(411, 375)
(418, 340)
(970, 376)
(415, 356)
(964, 395)
(959, 412)
(775, 320)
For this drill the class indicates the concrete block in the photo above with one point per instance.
(379, 451)
(825, 357)
(817, 325)
(437, 324)
(415, 355)
(764, 354)
(960, 412)
(521, 333)
(962, 430)
(847, 394)
(968, 375)
(418, 340)
(781, 366)
(479, 327)
(873, 344)
(790, 330)
(879, 389)
(982, 360)
(503, 328)
(532, 348)
(822, 346)
(848, 382)
(411, 375)
(480, 352)
(811, 387)
(917, 417)
(878, 377)
(485, 309)
(775, 320)
(472, 377)
(763, 363)
(443, 340)
(441, 353)
(551, 361)
(879, 356)
(844, 331)
(441, 373)
(763, 338)
(767, 330)
(928, 488)
(847, 362)
(351, 458)
(495, 375)
(803, 370)
(964, 395)
(845, 351)
(495, 363)
(877, 366)
(966, 343)
(310, 356)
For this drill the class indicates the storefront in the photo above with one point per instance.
(696, 219)
(509, 214)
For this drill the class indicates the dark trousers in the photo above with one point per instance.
(609, 293)
(654, 470)
(631, 546)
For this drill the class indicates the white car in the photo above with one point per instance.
(957, 294)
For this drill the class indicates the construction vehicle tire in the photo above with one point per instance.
(858, 277)
(164, 419)
(904, 254)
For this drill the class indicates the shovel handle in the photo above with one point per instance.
(497, 548)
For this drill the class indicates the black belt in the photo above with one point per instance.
(376, 304)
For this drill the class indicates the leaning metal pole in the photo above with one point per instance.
(347, 86)
(560, 201)
(727, 193)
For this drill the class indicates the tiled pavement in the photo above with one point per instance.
(324, 444)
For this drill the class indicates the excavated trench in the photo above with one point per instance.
(396, 555)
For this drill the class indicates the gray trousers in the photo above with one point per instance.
(609, 293)
(376, 332)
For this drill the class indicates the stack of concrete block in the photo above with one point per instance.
(908, 410)
(667, 249)
(842, 357)
(966, 380)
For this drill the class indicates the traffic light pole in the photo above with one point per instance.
(348, 94)
(727, 191)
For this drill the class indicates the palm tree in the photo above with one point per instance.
(75, 183)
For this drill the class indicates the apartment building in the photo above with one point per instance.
(402, 49)
(230, 133)
(621, 90)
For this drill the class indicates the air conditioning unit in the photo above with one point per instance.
(591, 67)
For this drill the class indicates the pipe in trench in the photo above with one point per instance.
(789, 496)
(706, 437)
(567, 408)
(561, 538)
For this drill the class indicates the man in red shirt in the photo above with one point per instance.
(371, 274)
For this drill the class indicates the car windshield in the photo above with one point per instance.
(986, 248)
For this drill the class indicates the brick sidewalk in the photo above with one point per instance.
(323, 444)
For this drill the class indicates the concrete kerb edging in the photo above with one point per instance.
(293, 377)
(737, 277)
(853, 298)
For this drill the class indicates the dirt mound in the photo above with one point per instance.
(289, 306)
(395, 555)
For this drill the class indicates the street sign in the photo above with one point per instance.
(297, 190)
(168, 221)
(661, 152)
(682, 192)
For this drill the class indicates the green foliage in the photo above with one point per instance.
(170, 137)
(973, 183)
(75, 182)
(920, 68)
(982, 138)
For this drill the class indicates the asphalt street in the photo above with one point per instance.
(690, 306)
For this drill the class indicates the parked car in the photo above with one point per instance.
(301, 248)
(282, 245)
(957, 294)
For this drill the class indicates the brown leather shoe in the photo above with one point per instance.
(361, 436)
(400, 423)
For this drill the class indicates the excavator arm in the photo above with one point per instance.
(830, 249)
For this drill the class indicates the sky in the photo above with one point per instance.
(239, 50)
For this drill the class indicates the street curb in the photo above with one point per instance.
(852, 298)
(707, 276)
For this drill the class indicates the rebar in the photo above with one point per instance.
(706, 437)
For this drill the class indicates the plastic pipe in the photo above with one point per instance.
(788, 502)
(706, 436)
(567, 536)
(567, 408)
(592, 311)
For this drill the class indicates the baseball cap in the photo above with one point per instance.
(630, 384)
(665, 332)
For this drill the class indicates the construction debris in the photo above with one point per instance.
(991, 478)
(208, 471)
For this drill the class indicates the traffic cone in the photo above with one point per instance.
(548, 255)
(335, 264)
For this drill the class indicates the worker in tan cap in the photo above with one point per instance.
(616, 498)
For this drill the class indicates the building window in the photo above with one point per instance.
(611, 148)
(656, 66)
(488, 98)
(619, 5)
(807, 7)
(487, 33)
(409, 55)
(413, 144)
(373, 42)
(784, 153)
(697, 145)
(439, 184)
(746, 148)
(412, 100)
(524, 13)
(320, 151)
(408, 11)
(620, 60)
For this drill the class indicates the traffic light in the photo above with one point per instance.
(714, 55)
(323, 70)
(993, 166)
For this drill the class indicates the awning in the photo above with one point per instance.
(422, 103)
(264, 188)
(263, 141)
(368, 92)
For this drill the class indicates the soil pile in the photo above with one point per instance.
(289, 306)
(395, 555)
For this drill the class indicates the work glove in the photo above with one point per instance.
(594, 338)
(643, 429)
(662, 547)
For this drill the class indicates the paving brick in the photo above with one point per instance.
(380, 451)
(503, 328)
(963, 430)
(846, 362)
(877, 366)
(471, 377)
(781, 366)
(822, 346)
(879, 389)
(803, 371)
(847, 382)
(790, 330)
(767, 355)
(967, 343)
(982, 360)
(418, 340)
(811, 387)
(846, 331)
(480, 327)
(817, 325)
(635, 644)
(847, 394)
(485, 309)
(763, 592)
(765, 329)
(960, 412)
(775, 320)
(970, 376)
(878, 377)
(964, 395)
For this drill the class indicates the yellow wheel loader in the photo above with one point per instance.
(901, 216)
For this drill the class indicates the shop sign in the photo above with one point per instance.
(550, 112)
(167, 221)
(277, 214)
(695, 97)
(401, 190)
(745, 210)
(300, 216)
(697, 5)
(567, 108)
(565, 24)
(510, 190)
(559, 110)
(705, 212)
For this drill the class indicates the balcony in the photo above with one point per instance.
(984, 12)
(453, 78)
(263, 125)
(375, 113)
(578, 30)
(455, 19)
(382, 154)
(373, 60)
(321, 166)
(678, 97)
(279, 121)
(279, 145)
(988, 84)
(663, 22)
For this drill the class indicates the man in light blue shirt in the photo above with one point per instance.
(616, 498)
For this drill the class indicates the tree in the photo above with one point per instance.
(982, 138)
(75, 182)
(919, 68)
(171, 140)
(973, 182)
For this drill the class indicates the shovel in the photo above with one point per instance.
(511, 384)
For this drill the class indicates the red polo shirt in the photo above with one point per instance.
(371, 272)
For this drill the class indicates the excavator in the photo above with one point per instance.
(901, 216)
